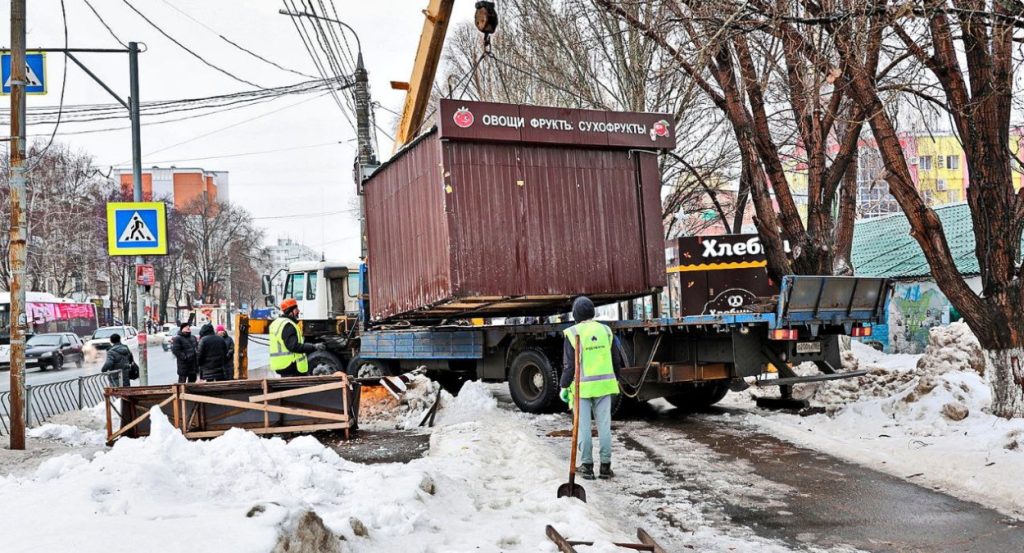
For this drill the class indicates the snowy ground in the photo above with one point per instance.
(487, 484)
(918, 417)
(488, 481)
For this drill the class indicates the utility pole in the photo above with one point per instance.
(140, 291)
(366, 162)
(18, 252)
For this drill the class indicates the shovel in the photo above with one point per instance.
(572, 489)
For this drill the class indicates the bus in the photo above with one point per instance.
(46, 313)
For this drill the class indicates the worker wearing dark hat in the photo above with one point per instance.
(600, 360)
(287, 350)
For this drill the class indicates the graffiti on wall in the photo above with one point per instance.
(915, 308)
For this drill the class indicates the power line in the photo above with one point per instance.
(243, 154)
(295, 215)
(63, 85)
(187, 49)
(233, 43)
(109, 30)
(307, 42)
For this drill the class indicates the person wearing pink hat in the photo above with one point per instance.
(229, 363)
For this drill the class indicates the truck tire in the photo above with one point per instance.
(367, 368)
(323, 363)
(533, 382)
(696, 398)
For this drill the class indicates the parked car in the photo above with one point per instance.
(169, 335)
(100, 340)
(53, 350)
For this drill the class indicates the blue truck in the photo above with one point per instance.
(740, 338)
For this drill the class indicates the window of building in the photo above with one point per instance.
(926, 163)
(952, 162)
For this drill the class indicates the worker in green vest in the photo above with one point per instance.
(287, 350)
(600, 361)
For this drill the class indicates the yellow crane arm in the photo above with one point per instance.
(428, 54)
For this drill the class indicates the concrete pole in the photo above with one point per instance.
(19, 234)
(366, 158)
(140, 292)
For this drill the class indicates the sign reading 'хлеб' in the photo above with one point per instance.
(493, 122)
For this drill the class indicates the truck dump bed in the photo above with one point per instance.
(511, 210)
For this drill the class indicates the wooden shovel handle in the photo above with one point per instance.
(575, 415)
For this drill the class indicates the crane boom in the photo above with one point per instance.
(428, 54)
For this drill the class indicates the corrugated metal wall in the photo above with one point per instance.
(525, 228)
(407, 232)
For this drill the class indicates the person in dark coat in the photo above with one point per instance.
(213, 353)
(184, 348)
(119, 362)
(229, 364)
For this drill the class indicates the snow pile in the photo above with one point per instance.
(68, 434)
(487, 484)
(473, 400)
(951, 349)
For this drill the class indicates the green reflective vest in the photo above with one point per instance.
(280, 357)
(597, 374)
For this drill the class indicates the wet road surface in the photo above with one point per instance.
(819, 500)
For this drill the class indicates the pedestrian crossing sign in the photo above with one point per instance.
(136, 228)
(35, 72)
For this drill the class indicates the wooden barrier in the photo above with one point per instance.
(269, 406)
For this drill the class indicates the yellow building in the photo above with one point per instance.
(941, 169)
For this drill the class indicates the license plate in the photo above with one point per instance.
(808, 347)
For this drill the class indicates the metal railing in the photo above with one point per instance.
(43, 401)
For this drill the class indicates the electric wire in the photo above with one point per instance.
(104, 23)
(300, 29)
(187, 49)
(244, 154)
(233, 43)
(63, 85)
(333, 60)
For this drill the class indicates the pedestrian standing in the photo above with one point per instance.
(229, 363)
(600, 360)
(213, 352)
(119, 362)
(184, 348)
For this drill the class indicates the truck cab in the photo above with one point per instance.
(327, 293)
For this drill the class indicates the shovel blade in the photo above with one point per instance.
(572, 490)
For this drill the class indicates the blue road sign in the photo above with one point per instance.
(136, 228)
(35, 72)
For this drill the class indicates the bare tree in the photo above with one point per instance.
(66, 221)
(566, 53)
(776, 87)
(971, 51)
(212, 234)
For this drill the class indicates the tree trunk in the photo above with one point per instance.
(847, 215)
(1004, 371)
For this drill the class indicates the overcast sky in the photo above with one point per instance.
(310, 171)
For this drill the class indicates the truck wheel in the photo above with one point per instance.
(533, 382)
(367, 368)
(695, 398)
(324, 362)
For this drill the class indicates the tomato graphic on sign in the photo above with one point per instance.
(659, 129)
(463, 117)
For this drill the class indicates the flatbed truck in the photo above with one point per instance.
(692, 361)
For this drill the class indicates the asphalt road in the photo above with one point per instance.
(820, 501)
(162, 369)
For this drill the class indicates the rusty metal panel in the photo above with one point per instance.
(407, 232)
(482, 225)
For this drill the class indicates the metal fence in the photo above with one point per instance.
(43, 401)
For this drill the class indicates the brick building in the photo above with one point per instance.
(181, 185)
